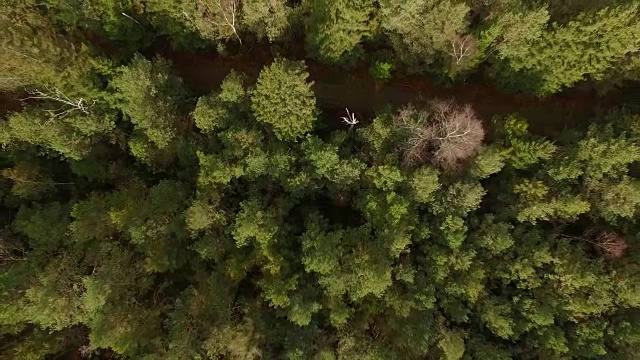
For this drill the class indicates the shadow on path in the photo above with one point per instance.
(337, 88)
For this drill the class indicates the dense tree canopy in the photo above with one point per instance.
(153, 209)
(283, 98)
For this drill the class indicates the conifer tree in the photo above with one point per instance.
(284, 99)
(336, 28)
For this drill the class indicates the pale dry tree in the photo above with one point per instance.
(227, 16)
(445, 134)
(350, 119)
(611, 244)
(415, 125)
(458, 133)
(68, 105)
(230, 14)
(462, 46)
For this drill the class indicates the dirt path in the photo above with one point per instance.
(337, 88)
(8, 103)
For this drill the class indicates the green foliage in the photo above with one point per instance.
(618, 199)
(29, 178)
(494, 236)
(421, 31)
(269, 19)
(586, 46)
(46, 60)
(283, 99)
(536, 203)
(452, 345)
(211, 20)
(424, 183)
(104, 17)
(326, 164)
(497, 317)
(143, 219)
(218, 110)
(604, 154)
(381, 70)
(336, 27)
(489, 161)
(523, 149)
(149, 96)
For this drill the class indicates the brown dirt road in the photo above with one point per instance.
(337, 88)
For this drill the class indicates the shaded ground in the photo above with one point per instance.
(337, 88)
(9, 103)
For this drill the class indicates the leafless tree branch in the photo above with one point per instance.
(462, 47)
(350, 119)
(68, 105)
(9, 252)
(233, 8)
(445, 133)
(612, 245)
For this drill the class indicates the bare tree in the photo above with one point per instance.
(462, 46)
(205, 15)
(230, 18)
(611, 244)
(446, 134)
(68, 105)
(458, 133)
(350, 119)
(10, 252)
(418, 132)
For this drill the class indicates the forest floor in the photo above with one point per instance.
(338, 88)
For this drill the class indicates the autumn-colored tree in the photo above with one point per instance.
(444, 134)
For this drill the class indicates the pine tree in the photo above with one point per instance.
(270, 19)
(336, 27)
(589, 46)
(283, 99)
(149, 96)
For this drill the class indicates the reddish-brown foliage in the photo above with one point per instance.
(612, 245)
(445, 134)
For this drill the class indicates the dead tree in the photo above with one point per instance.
(462, 47)
(230, 14)
(219, 13)
(458, 133)
(445, 134)
(68, 105)
(415, 125)
(350, 119)
(612, 245)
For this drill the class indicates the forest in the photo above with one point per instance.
(319, 179)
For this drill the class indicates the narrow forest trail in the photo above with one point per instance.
(9, 102)
(338, 87)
